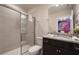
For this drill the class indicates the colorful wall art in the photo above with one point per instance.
(64, 25)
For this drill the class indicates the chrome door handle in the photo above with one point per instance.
(59, 51)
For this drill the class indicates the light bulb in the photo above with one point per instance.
(56, 5)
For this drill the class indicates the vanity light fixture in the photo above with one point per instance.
(55, 5)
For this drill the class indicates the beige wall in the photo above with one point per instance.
(41, 15)
(9, 29)
(53, 16)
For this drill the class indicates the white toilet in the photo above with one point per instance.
(36, 49)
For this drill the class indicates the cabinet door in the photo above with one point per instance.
(69, 52)
(49, 50)
(76, 48)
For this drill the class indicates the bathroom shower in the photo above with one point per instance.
(29, 42)
(17, 32)
(27, 32)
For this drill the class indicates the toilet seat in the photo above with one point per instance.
(34, 48)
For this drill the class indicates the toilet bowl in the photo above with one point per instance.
(36, 49)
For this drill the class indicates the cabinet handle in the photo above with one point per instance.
(57, 50)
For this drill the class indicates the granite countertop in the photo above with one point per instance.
(72, 39)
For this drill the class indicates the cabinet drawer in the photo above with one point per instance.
(51, 50)
(57, 43)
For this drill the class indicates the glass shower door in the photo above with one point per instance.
(27, 33)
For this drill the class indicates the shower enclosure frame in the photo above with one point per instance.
(34, 32)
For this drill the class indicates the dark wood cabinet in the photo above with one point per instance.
(57, 47)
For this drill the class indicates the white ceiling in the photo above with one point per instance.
(53, 8)
(28, 6)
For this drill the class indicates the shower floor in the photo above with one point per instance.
(18, 51)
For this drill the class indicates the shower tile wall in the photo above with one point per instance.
(9, 29)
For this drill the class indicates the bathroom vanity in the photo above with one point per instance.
(60, 46)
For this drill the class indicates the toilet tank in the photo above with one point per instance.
(39, 41)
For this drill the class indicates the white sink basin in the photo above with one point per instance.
(75, 38)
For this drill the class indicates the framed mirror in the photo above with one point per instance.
(61, 18)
